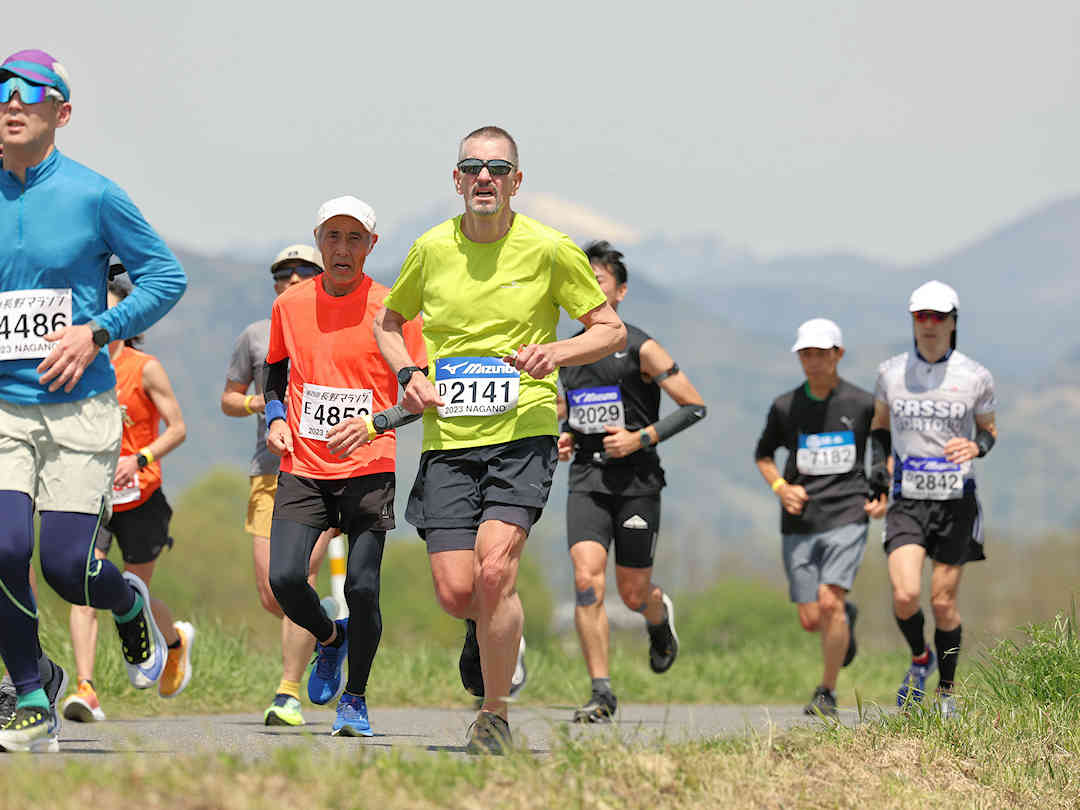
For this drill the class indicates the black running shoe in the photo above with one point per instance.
(663, 640)
(852, 614)
(55, 686)
(489, 734)
(599, 709)
(822, 703)
(29, 729)
(472, 676)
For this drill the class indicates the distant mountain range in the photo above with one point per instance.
(729, 319)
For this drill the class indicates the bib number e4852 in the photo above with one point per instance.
(590, 410)
(26, 316)
(127, 494)
(931, 479)
(323, 406)
(475, 386)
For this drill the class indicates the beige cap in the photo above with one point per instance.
(347, 206)
(818, 333)
(303, 253)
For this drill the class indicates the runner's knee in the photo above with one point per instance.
(830, 601)
(943, 605)
(810, 617)
(905, 600)
(454, 599)
(635, 595)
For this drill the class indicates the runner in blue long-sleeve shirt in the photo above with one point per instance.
(60, 424)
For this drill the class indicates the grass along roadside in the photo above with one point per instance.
(1016, 743)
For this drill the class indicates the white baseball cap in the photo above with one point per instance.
(347, 206)
(302, 253)
(935, 296)
(818, 333)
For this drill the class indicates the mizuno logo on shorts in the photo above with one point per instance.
(635, 522)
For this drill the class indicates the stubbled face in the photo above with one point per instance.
(345, 244)
(486, 195)
(27, 125)
(609, 284)
(820, 363)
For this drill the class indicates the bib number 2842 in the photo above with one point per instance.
(476, 386)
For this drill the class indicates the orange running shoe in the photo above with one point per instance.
(83, 706)
(177, 672)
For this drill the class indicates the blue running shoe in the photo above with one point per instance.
(352, 719)
(326, 681)
(142, 642)
(913, 688)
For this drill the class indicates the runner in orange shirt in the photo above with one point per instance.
(335, 472)
(140, 518)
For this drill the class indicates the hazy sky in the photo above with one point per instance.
(900, 130)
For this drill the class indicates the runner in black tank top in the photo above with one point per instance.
(611, 413)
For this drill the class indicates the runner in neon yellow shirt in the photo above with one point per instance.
(490, 284)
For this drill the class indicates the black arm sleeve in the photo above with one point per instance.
(277, 378)
(880, 448)
(985, 440)
(678, 421)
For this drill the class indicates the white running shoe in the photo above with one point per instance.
(141, 641)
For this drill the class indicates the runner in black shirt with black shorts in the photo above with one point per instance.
(824, 425)
(612, 424)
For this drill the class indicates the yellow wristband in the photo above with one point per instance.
(779, 482)
(247, 403)
(149, 456)
(371, 432)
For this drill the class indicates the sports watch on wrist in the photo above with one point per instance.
(646, 439)
(101, 334)
(406, 373)
(141, 460)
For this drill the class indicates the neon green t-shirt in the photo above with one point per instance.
(485, 300)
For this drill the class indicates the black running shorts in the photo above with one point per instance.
(142, 533)
(458, 489)
(631, 521)
(948, 530)
(354, 505)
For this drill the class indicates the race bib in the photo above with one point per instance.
(323, 406)
(931, 479)
(476, 386)
(826, 453)
(591, 409)
(26, 316)
(128, 494)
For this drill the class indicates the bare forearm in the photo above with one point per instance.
(232, 404)
(768, 469)
(595, 343)
(391, 340)
(168, 440)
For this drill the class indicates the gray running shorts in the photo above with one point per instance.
(831, 557)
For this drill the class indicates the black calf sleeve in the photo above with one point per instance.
(290, 554)
(362, 596)
(947, 643)
(912, 628)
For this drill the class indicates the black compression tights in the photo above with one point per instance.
(290, 552)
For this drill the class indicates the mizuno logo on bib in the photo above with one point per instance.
(931, 479)
(826, 453)
(475, 386)
(26, 316)
(323, 407)
(590, 410)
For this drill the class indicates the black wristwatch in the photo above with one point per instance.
(646, 439)
(141, 460)
(101, 334)
(406, 373)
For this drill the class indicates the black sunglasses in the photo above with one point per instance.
(302, 270)
(931, 315)
(497, 167)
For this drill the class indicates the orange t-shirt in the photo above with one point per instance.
(141, 420)
(336, 372)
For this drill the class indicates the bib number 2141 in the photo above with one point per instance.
(476, 386)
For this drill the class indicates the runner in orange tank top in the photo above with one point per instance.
(140, 519)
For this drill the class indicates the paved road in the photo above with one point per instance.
(535, 729)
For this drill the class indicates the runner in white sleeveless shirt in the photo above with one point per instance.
(934, 410)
